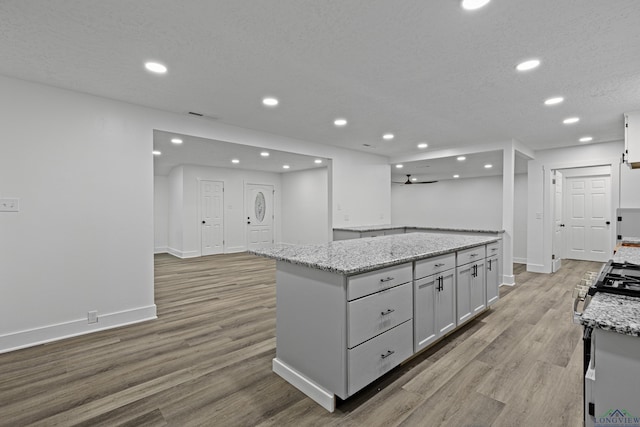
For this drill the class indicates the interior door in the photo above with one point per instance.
(211, 217)
(558, 225)
(588, 206)
(260, 215)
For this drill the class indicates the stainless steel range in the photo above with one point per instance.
(618, 278)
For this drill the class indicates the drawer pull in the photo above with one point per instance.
(389, 311)
(388, 279)
(441, 264)
(389, 353)
(494, 249)
(473, 255)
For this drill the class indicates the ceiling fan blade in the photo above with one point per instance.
(424, 182)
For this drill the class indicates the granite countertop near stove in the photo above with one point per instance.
(617, 313)
(632, 240)
(365, 228)
(355, 256)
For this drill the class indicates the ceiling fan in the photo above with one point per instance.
(408, 181)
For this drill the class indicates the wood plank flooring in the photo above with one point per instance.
(206, 361)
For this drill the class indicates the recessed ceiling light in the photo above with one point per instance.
(155, 67)
(571, 120)
(488, 166)
(270, 102)
(414, 179)
(456, 176)
(586, 139)
(340, 122)
(176, 141)
(528, 65)
(474, 4)
(461, 158)
(285, 166)
(317, 161)
(399, 166)
(553, 101)
(156, 152)
(236, 161)
(423, 145)
(265, 154)
(388, 136)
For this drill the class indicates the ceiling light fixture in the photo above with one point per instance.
(235, 161)
(176, 141)
(474, 4)
(317, 161)
(553, 101)
(456, 176)
(488, 166)
(399, 166)
(461, 158)
(586, 139)
(285, 166)
(270, 101)
(155, 67)
(571, 120)
(265, 154)
(388, 136)
(423, 145)
(528, 65)
(156, 152)
(340, 122)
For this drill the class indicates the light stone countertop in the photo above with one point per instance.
(355, 256)
(634, 240)
(617, 313)
(365, 228)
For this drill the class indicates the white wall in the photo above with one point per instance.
(520, 219)
(538, 207)
(160, 213)
(462, 203)
(305, 203)
(175, 220)
(83, 240)
(629, 187)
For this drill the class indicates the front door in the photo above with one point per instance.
(587, 210)
(558, 226)
(259, 214)
(211, 212)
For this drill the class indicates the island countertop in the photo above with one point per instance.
(617, 313)
(366, 228)
(355, 256)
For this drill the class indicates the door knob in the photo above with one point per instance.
(561, 225)
(608, 222)
(204, 222)
(248, 222)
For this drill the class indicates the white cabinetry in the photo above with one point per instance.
(493, 273)
(470, 283)
(632, 139)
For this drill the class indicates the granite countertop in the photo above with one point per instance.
(365, 228)
(617, 313)
(632, 240)
(355, 256)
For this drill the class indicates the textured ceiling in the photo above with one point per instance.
(424, 70)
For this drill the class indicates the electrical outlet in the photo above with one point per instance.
(92, 317)
(10, 205)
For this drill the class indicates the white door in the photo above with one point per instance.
(259, 213)
(211, 216)
(558, 225)
(587, 210)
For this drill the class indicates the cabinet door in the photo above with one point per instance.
(463, 292)
(493, 280)
(478, 288)
(446, 303)
(424, 313)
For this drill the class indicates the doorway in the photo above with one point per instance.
(260, 215)
(211, 217)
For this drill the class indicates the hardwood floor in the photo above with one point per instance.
(206, 361)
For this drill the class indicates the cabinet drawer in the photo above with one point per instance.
(493, 249)
(378, 280)
(378, 356)
(379, 312)
(466, 256)
(429, 266)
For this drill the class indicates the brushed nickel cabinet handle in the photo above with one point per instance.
(389, 353)
(389, 311)
(388, 279)
(439, 264)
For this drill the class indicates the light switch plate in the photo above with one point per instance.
(9, 205)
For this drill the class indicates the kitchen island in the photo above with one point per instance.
(350, 311)
(612, 359)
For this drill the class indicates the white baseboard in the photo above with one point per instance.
(235, 249)
(183, 254)
(519, 260)
(160, 250)
(49, 333)
(536, 268)
(318, 394)
(508, 280)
